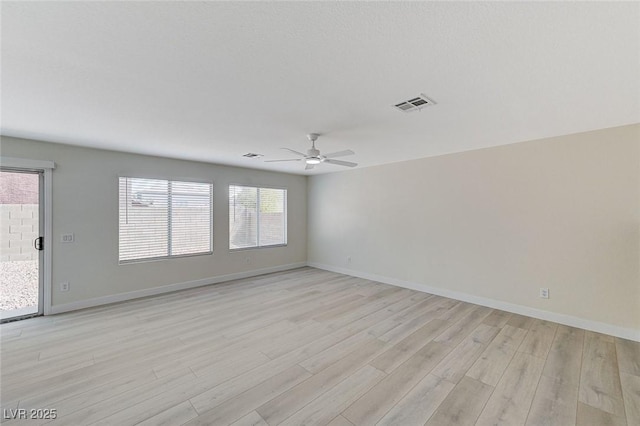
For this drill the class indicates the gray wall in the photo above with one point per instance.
(85, 202)
(497, 223)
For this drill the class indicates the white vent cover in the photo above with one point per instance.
(415, 104)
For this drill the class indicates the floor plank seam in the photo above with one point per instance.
(615, 355)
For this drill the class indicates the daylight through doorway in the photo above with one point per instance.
(19, 244)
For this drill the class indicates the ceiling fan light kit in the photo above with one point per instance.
(313, 156)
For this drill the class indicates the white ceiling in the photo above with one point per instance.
(211, 81)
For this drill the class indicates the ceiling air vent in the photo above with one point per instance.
(415, 104)
(252, 155)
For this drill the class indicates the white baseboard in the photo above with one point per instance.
(600, 327)
(121, 297)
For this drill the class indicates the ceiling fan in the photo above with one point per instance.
(313, 156)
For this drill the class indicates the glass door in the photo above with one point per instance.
(21, 244)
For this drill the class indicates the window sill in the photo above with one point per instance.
(232, 250)
(155, 259)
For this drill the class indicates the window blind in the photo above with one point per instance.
(164, 218)
(257, 217)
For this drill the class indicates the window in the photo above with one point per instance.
(257, 217)
(164, 218)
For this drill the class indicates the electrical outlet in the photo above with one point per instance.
(544, 293)
(67, 238)
(64, 286)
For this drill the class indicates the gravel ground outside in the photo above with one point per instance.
(19, 284)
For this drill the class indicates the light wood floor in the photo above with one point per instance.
(314, 347)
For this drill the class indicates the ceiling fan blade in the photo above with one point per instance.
(309, 166)
(295, 152)
(275, 161)
(340, 163)
(340, 153)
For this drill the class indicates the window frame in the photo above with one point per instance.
(172, 256)
(286, 218)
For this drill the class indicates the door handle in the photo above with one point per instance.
(38, 243)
